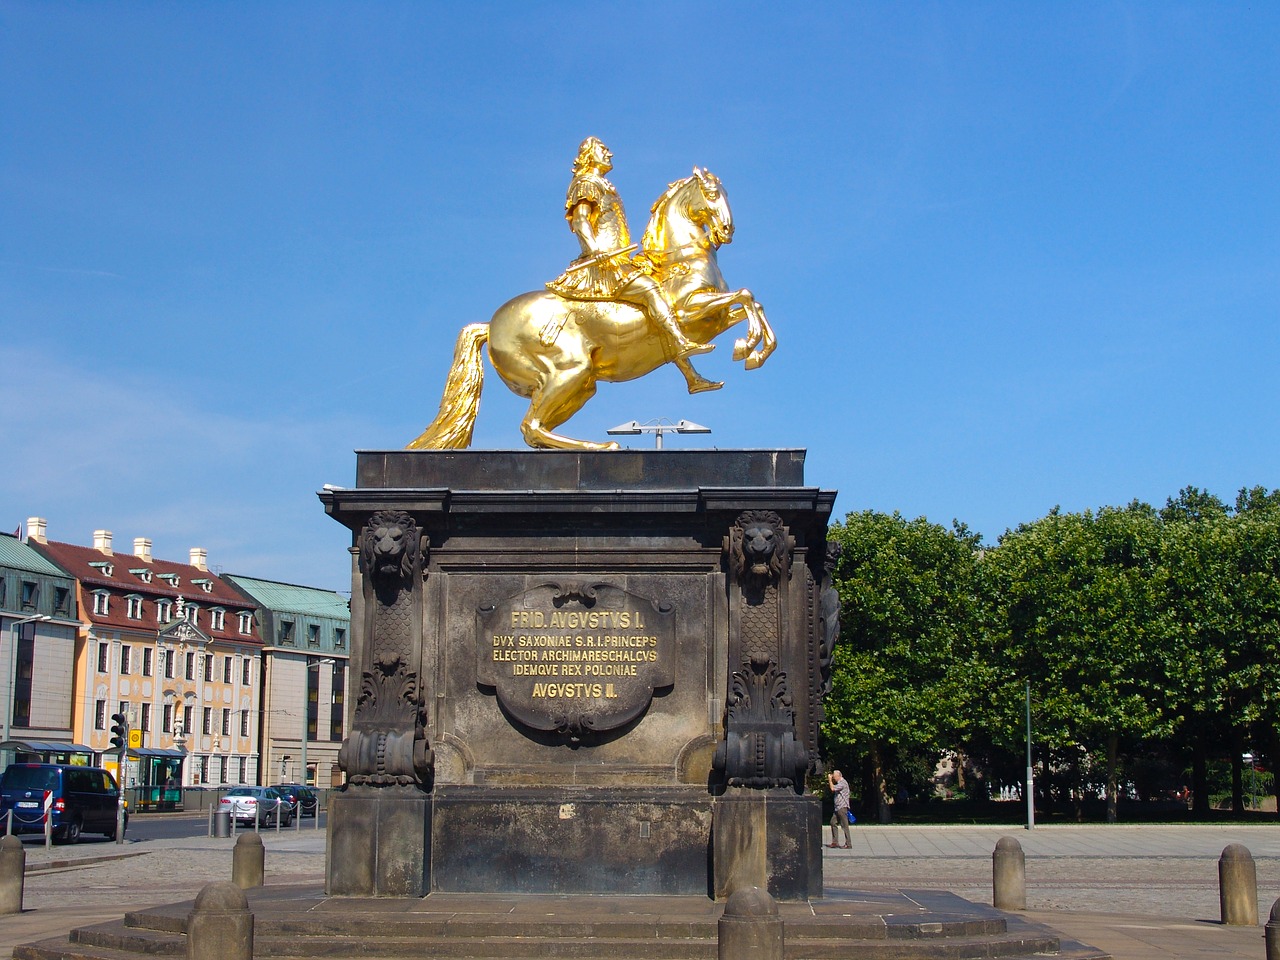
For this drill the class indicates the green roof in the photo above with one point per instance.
(15, 553)
(291, 598)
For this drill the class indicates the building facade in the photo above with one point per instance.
(38, 629)
(173, 648)
(305, 637)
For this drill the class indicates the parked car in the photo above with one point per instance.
(263, 804)
(83, 799)
(305, 800)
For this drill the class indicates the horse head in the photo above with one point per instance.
(692, 215)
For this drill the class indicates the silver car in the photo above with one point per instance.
(263, 804)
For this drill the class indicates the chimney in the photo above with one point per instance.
(102, 541)
(200, 558)
(37, 529)
(142, 549)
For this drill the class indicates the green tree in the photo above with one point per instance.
(907, 666)
(1076, 610)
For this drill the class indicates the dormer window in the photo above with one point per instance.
(339, 638)
(217, 618)
(246, 623)
(191, 613)
(100, 602)
(164, 611)
(286, 632)
(30, 594)
(134, 609)
(142, 573)
(172, 579)
(106, 568)
(204, 584)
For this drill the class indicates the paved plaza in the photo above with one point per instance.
(1138, 892)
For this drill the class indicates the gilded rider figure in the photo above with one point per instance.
(606, 269)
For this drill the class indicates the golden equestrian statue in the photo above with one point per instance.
(615, 314)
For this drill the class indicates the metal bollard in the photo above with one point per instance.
(750, 928)
(1008, 875)
(220, 925)
(1273, 933)
(1238, 886)
(13, 869)
(248, 861)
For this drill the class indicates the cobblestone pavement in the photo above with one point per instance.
(1139, 892)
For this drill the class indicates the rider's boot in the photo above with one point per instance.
(677, 343)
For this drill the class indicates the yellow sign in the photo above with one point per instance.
(135, 739)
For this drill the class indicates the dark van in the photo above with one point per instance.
(84, 799)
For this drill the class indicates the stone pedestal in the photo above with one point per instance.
(770, 839)
(567, 658)
(379, 843)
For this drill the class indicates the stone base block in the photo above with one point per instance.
(771, 839)
(579, 840)
(379, 843)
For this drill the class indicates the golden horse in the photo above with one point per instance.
(554, 350)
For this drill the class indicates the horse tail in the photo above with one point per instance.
(453, 425)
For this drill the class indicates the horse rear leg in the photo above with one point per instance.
(561, 395)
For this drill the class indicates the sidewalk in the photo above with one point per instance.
(1138, 892)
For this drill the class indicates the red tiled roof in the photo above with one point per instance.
(77, 560)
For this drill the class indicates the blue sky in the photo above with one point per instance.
(1016, 255)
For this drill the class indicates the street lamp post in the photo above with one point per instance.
(657, 427)
(1253, 782)
(306, 702)
(14, 628)
(1031, 782)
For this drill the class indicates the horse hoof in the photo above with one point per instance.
(740, 349)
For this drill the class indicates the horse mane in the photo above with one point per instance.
(650, 242)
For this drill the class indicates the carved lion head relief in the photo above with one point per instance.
(759, 546)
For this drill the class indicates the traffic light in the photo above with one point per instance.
(119, 730)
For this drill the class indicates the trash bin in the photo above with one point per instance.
(222, 823)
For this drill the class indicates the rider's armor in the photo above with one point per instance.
(601, 279)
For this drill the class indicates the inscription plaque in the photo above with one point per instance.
(575, 657)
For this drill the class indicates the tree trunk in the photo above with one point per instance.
(958, 760)
(1077, 807)
(1113, 776)
(884, 813)
(1199, 780)
(1237, 778)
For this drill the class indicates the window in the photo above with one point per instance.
(246, 672)
(104, 654)
(61, 600)
(226, 721)
(192, 614)
(191, 665)
(146, 661)
(134, 611)
(286, 632)
(142, 573)
(30, 594)
(206, 720)
(244, 725)
(4, 590)
(126, 655)
(172, 579)
(164, 611)
(313, 705)
(167, 655)
(204, 584)
(217, 619)
(337, 711)
(100, 603)
(243, 769)
(226, 669)
(187, 713)
(24, 670)
(204, 769)
(246, 623)
(145, 723)
(339, 638)
(166, 719)
(313, 635)
(208, 670)
(99, 714)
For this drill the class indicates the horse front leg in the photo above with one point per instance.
(756, 347)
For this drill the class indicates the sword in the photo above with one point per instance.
(599, 257)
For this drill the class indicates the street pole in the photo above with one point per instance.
(1031, 782)
(14, 636)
